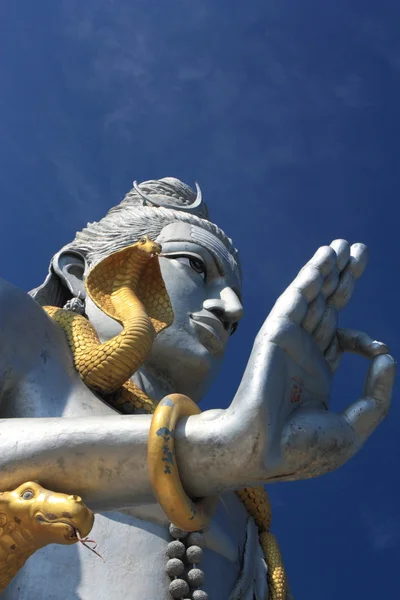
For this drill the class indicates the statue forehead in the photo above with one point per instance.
(185, 232)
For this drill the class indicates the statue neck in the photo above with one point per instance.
(153, 383)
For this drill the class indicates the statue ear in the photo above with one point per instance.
(70, 268)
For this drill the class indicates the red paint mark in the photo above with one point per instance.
(297, 390)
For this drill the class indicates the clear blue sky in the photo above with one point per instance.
(287, 113)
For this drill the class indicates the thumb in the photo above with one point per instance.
(380, 379)
(365, 414)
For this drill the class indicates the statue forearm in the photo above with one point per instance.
(104, 459)
(215, 452)
(100, 458)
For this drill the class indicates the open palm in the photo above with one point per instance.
(287, 383)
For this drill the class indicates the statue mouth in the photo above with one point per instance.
(211, 331)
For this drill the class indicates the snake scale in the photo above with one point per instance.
(128, 286)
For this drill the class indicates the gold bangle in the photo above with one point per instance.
(183, 512)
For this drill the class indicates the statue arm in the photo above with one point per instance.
(102, 458)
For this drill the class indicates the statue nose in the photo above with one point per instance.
(227, 307)
(76, 498)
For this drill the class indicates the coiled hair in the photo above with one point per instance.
(124, 224)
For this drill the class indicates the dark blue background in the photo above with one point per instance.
(287, 113)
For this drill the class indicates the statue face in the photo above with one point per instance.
(204, 288)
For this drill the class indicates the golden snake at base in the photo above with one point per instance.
(32, 517)
(128, 286)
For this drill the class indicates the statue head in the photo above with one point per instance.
(199, 265)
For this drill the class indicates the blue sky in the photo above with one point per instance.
(287, 113)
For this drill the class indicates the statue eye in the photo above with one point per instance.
(194, 263)
(197, 265)
(27, 495)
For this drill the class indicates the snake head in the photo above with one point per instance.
(49, 517)
(147, 246)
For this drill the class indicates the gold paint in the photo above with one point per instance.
(164, 475)
(127, 286)
(27, 525)
(276, 571)
(257, 502)
(178, 506)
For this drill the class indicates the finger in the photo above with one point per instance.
(333, 354)
(309, 282)
(294, 302)
(291, 304)
(312, 276)
(352, 340)
(326, 328)
(365, 414)
(358, 261)
(324, 260)
(314, 314)
(330, 283)
(354, 269)
(342, 249)
(344, 291)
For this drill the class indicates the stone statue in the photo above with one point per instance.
(278, 427)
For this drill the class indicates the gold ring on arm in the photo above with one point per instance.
(183, 512)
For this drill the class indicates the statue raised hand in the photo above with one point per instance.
(285, 391)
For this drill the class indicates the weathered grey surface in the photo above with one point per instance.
(277, 427)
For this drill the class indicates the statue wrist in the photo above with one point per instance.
(211, 451)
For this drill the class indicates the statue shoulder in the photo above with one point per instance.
(23, 325)
(14, 302)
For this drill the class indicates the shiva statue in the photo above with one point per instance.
(63, 433)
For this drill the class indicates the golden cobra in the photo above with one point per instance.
(32, 517)
(128, 286)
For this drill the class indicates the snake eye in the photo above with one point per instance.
(27, 495)
(143, 240)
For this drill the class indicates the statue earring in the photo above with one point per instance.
(76, 305)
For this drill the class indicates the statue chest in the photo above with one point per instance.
(133, 542)
(49, 386)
